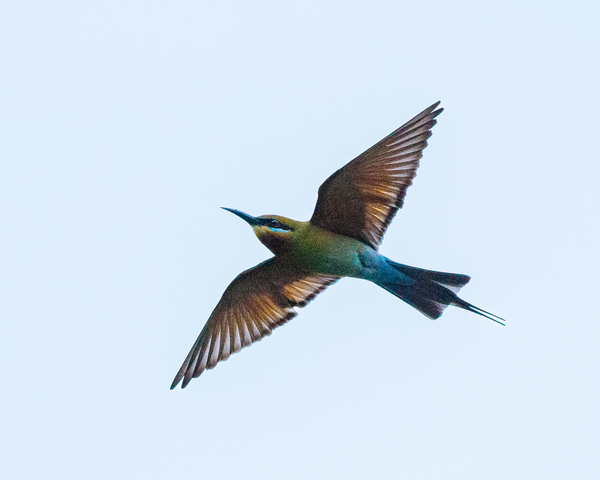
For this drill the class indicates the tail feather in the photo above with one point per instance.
(431, 292)
(452, 281)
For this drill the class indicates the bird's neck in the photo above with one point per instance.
(278, 243)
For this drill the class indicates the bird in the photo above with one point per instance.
(355, 206)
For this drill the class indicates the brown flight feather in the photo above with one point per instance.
(361, 198)
(256, 302)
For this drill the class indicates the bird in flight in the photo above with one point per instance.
(354, 208)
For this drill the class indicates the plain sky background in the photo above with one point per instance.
(126, 125)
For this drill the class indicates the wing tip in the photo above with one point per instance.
(433, 110)
(186, 376)
(176, 382)
(187, 379)
(436, 111)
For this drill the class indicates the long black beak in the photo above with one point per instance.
(249, 218)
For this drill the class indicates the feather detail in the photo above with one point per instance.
(361, 199)
(255, 303)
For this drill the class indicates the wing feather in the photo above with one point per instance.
(361, 199)
(255, 303)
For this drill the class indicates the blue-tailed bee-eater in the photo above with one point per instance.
(354, 208)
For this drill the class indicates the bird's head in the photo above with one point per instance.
(273, 231)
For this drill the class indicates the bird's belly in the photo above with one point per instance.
(334, 254)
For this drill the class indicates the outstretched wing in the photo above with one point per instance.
(256, 302)
(361, 198)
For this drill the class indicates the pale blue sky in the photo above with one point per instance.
(126, 125)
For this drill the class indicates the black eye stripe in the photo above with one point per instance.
(274, 223)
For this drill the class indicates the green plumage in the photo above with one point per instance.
(355, 206)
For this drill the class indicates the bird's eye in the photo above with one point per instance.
(275, 224)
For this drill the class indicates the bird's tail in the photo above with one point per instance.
(428, 291)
